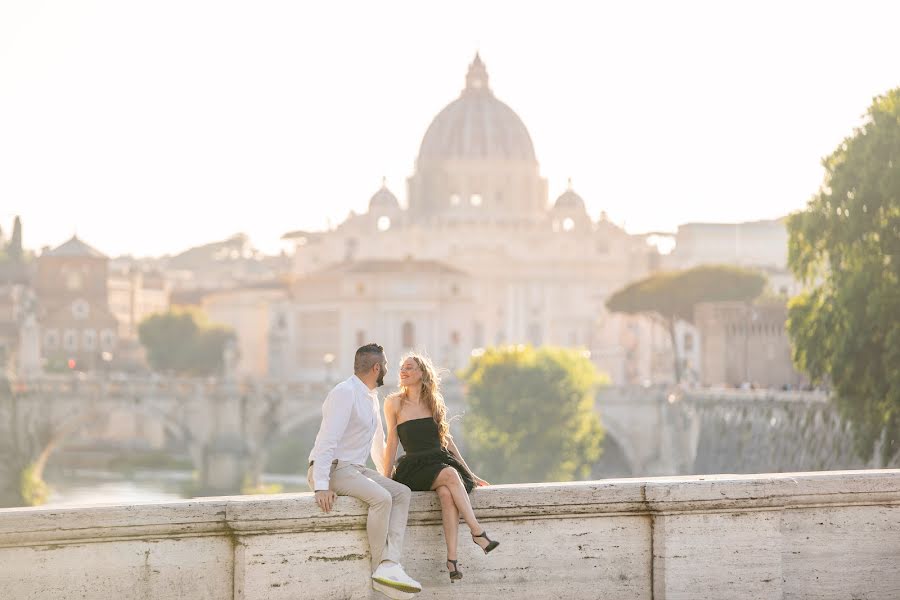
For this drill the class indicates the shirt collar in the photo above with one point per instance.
(363, 387)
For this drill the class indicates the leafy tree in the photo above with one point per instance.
(183, 342)
(845, 246)
(531, 414)
(672, 295)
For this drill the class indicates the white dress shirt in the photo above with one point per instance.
(351, 429)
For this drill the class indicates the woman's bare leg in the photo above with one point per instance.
(449, 478)
(450, 519)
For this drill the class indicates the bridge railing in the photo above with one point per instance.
(824, 535)
(100, 386)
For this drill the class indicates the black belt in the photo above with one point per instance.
(334, 462)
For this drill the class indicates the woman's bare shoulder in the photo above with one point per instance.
(392, 401)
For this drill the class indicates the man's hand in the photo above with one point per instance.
(326, 499)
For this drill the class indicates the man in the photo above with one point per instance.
(351, 428)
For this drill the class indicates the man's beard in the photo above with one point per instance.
(380, 381)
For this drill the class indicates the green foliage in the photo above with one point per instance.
(845, 246)
(531, 415)
(672, 295)
(33, 489)
(181, 341)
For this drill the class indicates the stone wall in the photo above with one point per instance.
(803, 535)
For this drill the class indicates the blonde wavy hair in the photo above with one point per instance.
(430, 394)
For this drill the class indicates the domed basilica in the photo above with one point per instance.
(477, 256)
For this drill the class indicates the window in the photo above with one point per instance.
(568, 224)
(51, 339)
(408, 335)
(89, 339)
(688, 342)
(70, 339)
(80, 309)
(454, 289)
(454, 337)
(475, 200)
(384, 223)
(360, 289)
(107, 339)
(454, 199)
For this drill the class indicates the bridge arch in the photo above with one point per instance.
(96, 413)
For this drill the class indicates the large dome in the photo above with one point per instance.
(477, 126)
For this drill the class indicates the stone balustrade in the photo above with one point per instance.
(828, 535)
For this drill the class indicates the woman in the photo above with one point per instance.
(416, 416)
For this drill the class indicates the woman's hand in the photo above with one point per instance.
(479, 481)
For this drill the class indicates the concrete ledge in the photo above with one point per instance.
(734, 536)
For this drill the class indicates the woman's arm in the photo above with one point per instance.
(390, 421)
(451, 446)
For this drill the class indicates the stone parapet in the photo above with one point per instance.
(796, 535)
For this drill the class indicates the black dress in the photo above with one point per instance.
(425, 457)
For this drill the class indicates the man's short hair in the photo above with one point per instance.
(366, 357)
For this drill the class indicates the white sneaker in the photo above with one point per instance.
(393, 576)
(391, 592)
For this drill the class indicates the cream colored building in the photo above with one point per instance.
(135, 295)
(751, 244)
(477, 256)
(746, 343)
(247, 310)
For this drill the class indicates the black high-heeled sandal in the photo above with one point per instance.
(491, 543)
(454, 574)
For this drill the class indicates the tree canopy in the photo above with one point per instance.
(181, 341)
(531, 414)
(672, 295)
(845, 247)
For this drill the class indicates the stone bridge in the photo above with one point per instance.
(225, 427)
(654, 431)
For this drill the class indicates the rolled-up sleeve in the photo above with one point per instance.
(335, 416)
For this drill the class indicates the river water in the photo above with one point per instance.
(80, 487)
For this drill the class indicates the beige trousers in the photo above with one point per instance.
(388, 506)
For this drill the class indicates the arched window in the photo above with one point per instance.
(408, 335)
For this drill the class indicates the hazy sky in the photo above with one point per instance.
(148, 127)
